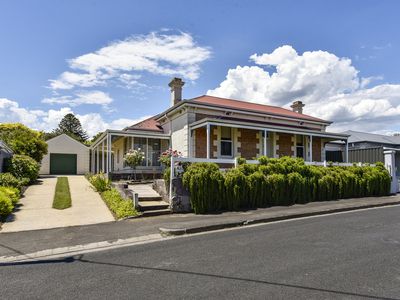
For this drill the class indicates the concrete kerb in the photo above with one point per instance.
(80, 249)
(165, 231)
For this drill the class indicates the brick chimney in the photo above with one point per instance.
(176, 85)
(297, 106)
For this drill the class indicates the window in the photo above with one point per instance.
(118, 156)
(226, 141)
(299, 146)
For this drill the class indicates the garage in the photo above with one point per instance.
(64, 164)
(66, 156)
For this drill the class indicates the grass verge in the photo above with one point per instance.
(62, 196)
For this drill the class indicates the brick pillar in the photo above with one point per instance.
(316, 148)
(284, 145)
(248, 139)
(201, 142)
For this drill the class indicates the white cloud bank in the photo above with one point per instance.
(10, 111)
(155, 53)
(330, 87)
(84, 97)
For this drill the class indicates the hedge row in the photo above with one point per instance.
(283, 181)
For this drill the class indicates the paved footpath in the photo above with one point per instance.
(35, 211)
(19, 243)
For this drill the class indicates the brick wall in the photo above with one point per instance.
(284, 144)
(248, 143)
(214, 142)
(201, 142)
(316, 149)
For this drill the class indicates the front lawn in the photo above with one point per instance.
(62, 196)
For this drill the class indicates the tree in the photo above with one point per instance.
(71, 126)
(96, 136)
(134, 158)
(23, 140)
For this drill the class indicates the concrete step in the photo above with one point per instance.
(150, 198)
(153, 205)
(158, 212)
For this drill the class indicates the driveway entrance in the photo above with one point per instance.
(36, 212)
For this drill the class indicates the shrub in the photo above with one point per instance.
(283, 181)
(9, 180)
(117, 204)
(100, 182)
(6, 205)
(205, 183)
(12, 193)
(22, 166)
(236, 190)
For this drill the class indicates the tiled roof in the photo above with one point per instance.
(149, 124)
(249, 106)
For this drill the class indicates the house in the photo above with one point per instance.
(215, 128)
(66, 156)
(5, 152)
(366, 147)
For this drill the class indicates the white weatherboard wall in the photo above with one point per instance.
(66, 145)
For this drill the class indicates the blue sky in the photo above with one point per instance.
(92, 58)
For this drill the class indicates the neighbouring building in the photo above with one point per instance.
(5, 152)
(66, 156)
(215, 128)
(365, 147)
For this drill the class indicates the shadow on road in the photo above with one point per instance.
(80, 258)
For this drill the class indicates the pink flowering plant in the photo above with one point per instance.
(165, 157)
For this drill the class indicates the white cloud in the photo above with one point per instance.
(330, 87)
(83, 97)
(11, 112)
(156, 53)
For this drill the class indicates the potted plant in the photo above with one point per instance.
(134, 158)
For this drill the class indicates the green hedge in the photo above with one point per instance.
(284, 181)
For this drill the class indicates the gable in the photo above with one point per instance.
(65, 139)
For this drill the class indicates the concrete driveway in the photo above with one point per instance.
(36, 212)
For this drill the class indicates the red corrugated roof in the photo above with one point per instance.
(249, 106)
(149, 124)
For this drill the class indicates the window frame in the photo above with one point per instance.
(226, 140)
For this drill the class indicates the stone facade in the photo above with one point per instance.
(284, 144)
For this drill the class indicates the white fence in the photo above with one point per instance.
(234, 162)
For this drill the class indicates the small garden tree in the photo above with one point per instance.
(23, 140)
(134, 158)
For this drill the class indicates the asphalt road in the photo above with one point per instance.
(345, 256)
